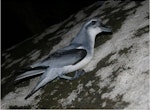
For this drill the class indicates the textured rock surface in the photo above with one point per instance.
(117, 76)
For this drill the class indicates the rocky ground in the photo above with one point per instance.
(116, 78)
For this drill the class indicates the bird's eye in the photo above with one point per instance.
(93, 22)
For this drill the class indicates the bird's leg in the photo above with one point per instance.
(78, 73)
(65, 77)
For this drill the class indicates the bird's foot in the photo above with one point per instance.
(78, 73)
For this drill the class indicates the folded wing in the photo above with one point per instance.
(63, 58)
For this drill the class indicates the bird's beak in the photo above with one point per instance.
(106, 29)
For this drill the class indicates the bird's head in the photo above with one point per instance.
(95, 26)
(91, 27)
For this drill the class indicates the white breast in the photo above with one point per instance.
(79, 65)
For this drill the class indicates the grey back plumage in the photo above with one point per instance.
(64, 58)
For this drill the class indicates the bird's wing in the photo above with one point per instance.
(58, 59)
(70, 47)
(65, 57)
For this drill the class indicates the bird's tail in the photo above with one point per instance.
(48, 76)
(29, 73)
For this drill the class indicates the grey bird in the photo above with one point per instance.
(71, 58)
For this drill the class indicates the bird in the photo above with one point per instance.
(71, 58)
